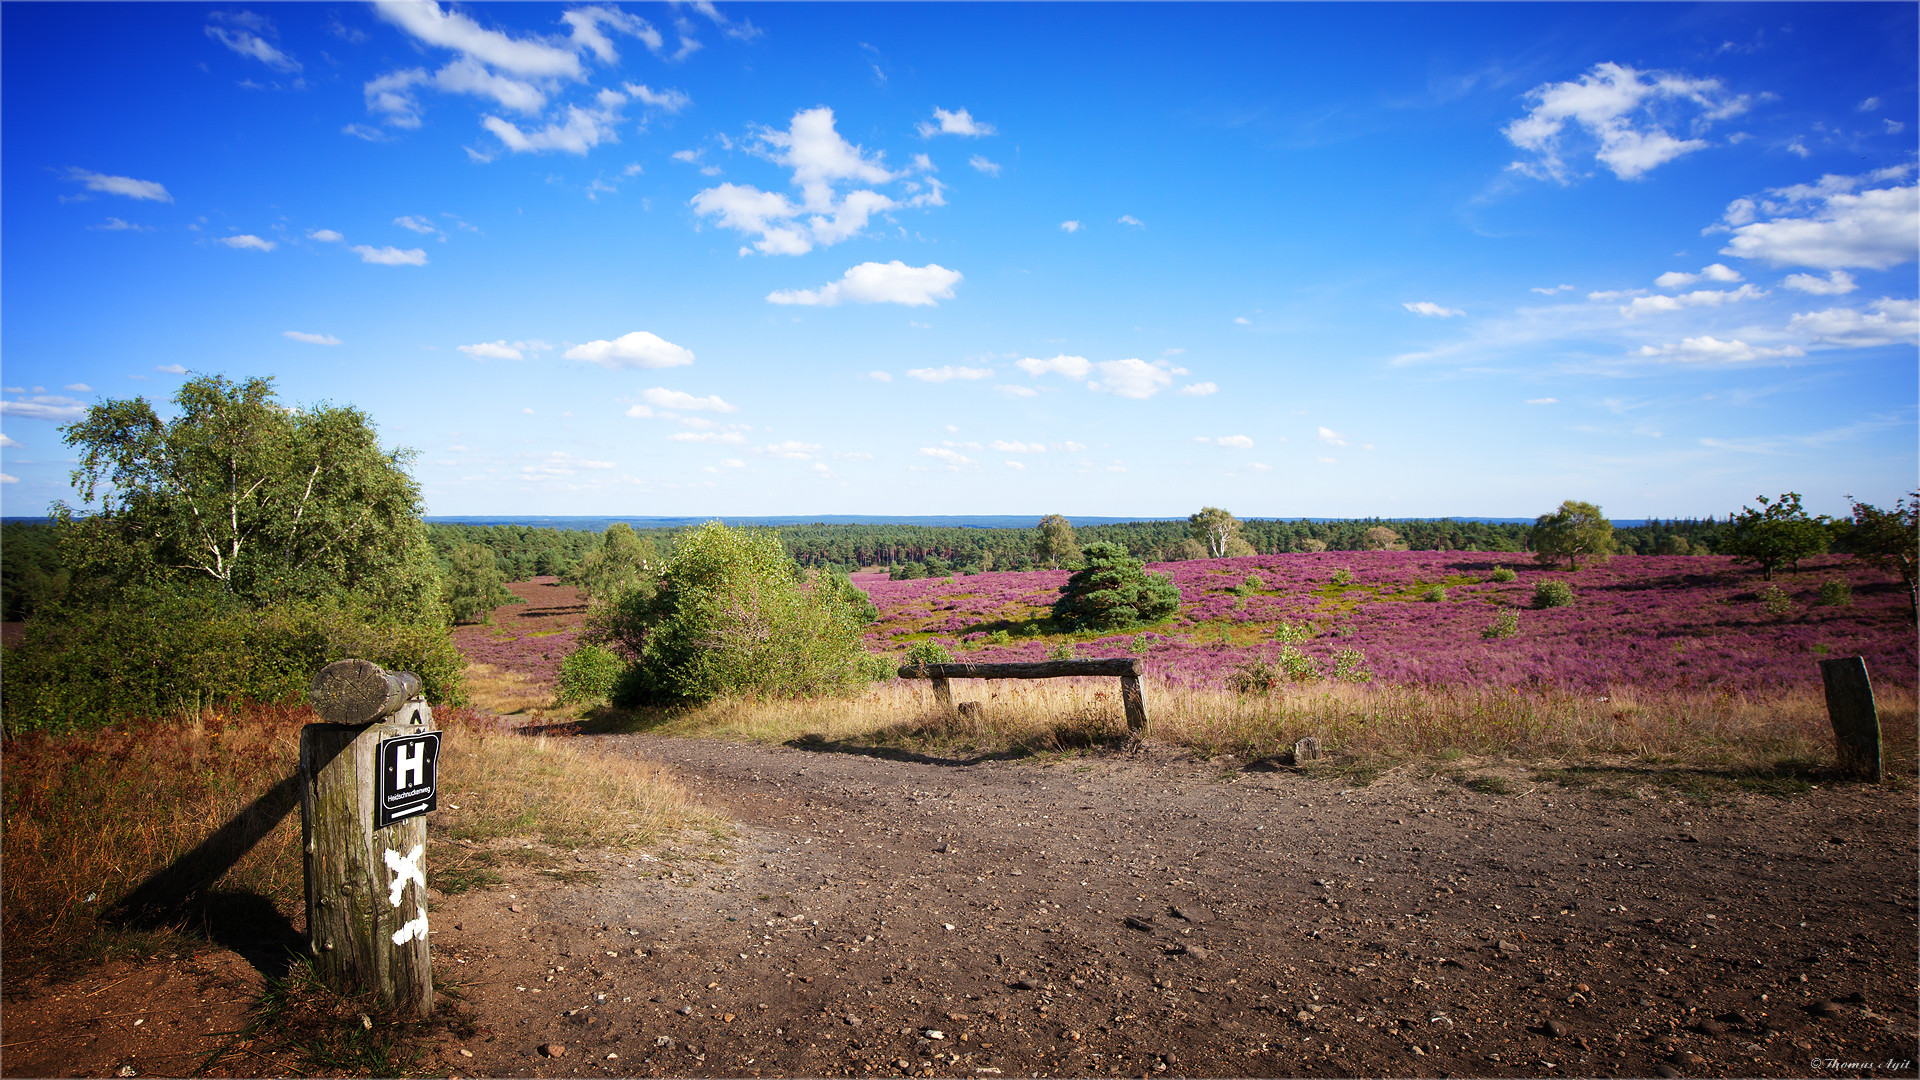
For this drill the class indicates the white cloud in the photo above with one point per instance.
(419, 225)
(1706, 348)
(389, 256)
(8, 478)
(981, 164)
(492, 350)
(114, 224)
(639, 412)
(1016, 391)
(947, 372)
(1431, 310)
(959, 122)
(1894, 127)
(1674, 279)
(668, 101)
(8, 440)
(1070, 447)
(362, 131)
(246, 242)
(171, 369)
(1073, 367)
(1550, 290)
(1133, 378)
(76, 387)
(878, 283)
(1018, 447)
(1021, 465)
(44, 407)
(149, 190)
(392, 94)
(1071, 226)
(731, 438)
(452, 30)
(1798, 148)
(583, 130)
(585, 24)
(820, 160)
(1543, 401)
(311, 339)
(1242, 320)
(1644, 305)
(250, 44)
(1129, 219)
(1827, 225)
(1869, 104)
(951, 457)
(1259, 466)
(1834, 284)
(1892, 322)
(880, 376)
(1200, 389)
(639, 349)
(1624, 115)
(1231, 442)
(662, 398)
(1332, 437)
(744, 30)
(790, 450)
(326, 236)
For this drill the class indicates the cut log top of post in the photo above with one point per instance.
(1046, 669)
(360, 691)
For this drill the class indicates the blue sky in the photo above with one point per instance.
(1343, 259)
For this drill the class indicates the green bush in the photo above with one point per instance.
(999, 637)
(163, 654)
(1504, 625)
(1502, 574)
(1343, 577)
(589, 674)
(732, 614)
(1296, 665)
(1113, 591)
(1292, 633)
(1775, 600)
(1350, 665)
(1836, 594)
(1548, 594)
(1062, 651)
(1247, 587)
(1255, 677)
(928, 652)
(1435, 594)
(472, 585)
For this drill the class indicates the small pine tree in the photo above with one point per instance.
(1114, 591)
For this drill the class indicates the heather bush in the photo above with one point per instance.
(589, 674)
(1435, 594)
(928, 652)
(1502, 574)
(1504, 625)
(1836, 594)
(1550, 594)
(1350, 665)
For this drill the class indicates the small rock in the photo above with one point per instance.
(1557, 1029)
(464, 1052)
(1192, 913)
(1022, 984)
(852, 1020)
(934, 1034)
(1665, 1070)
(513, 907)
(1856, 998)
(1198, 952)
(554, 1050)
(125, 1070)
(1508, 948)
(686, 1010)
(1712, 1027)
(1824, 1008)
(664, 1042)
(1138, 923)
(1688, 1057)
(942, 849)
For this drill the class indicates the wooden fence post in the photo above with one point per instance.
(1856, 723)
(368, 784)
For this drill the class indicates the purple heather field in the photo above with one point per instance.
(1646, 622)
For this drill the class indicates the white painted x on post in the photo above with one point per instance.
(405, 870)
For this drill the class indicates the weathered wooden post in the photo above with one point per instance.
(367, 786)
(1856, 722)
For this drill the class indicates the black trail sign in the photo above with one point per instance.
(406, 783)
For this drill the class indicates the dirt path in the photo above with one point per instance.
(1153, 914)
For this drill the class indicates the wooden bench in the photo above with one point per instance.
(1129, 672)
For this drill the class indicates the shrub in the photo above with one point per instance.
(1547, 594)
(1504, 625)
(1292, 633)
(1247, 587)
(1502, 574)
(1062, 651)
(877, 667)
(1435, 594)
(1775, 600)
(1350, 665)
(1255, 677)
(1343, 577)
(928, 652)
(1298, 666)
(733, 615)
(999, 637)
(589, 674)
(1113, 591)
(1141, 644)
(1836, 594)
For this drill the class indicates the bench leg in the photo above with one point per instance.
(943, 696)
(1135, 702)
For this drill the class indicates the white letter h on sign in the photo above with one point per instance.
(407, 766)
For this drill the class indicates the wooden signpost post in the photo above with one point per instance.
(368, 777)
(1856, 723)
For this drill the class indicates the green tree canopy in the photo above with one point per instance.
(1113, 591)
(473, 584)
(1890, 540)
(258, 500)
(1778, 532)
(1054, 544)
(1576, 529)
(623, 560)
(1214, 528)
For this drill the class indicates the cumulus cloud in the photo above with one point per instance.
(1623, 116)
(667, 101)
(952, 457)
(419, 225)
(981, 164)
(1331, 437)
(44, 407)
(1129, 219)
(1829, 224)
(150, 190)
(580, 131)
(492, 350)
(1017, 447)
(392, 96)
(639, 349)
(1712, 349)
(1674, 279)
(1133, 378)
(1011, 390)
(820, 161)
(729, 438)
(1887, 322)
(878, 283)
(662, 398)
(8, 440)
(76, 387)
(1834, 284)
(1431, 310)
(426, 22)
(389, 256)
(958, 122)
(1071, 226)
(326, 236)
(1021, 465)
(1543, 401)
(311, 339)
(1242, 320)
(1231, 442)
(790, 450)
(1646, 305)
(171, 369)
(1073, 367)
(948, 372)
(1552, 289)
(246, 242)
(1200, 389)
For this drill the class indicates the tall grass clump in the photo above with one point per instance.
(1552, 594)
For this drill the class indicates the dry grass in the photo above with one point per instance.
(499, 692)
(1359, 723)
(114, 836)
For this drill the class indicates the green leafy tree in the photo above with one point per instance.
(1218, 532)
(1382, 538)
(624, 560)
(1113, 591)
(1778, 532)
(732, 614)
(1576, 529)
(1054, 544)
(1889, 540)
(473, 585)
(238, 492)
